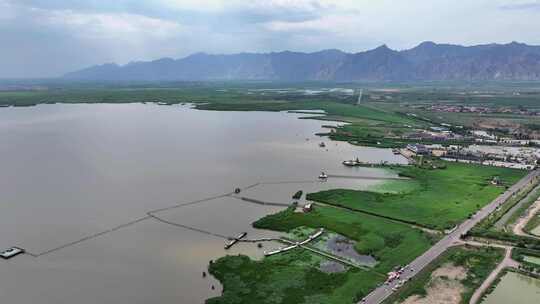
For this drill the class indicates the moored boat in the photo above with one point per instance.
(11, 252)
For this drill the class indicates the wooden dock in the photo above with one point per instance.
(293, 244)
(235, 240)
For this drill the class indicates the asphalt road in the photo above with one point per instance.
(384, 291)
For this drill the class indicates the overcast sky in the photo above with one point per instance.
(44, 38)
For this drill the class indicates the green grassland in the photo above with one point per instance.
(441, 199)
(294, 277)
(485, 94)
(479, 262)
(389, 242)
(289, 278)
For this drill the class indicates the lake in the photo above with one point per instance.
(72, 171)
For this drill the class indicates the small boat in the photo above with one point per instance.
(349, 163)
(323, 176)
(396, 151)
(322, 144)
(11, 252)
(352, 163)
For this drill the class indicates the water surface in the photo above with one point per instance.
(69, 171)
(515, 288)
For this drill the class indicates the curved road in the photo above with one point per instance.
(379, 294)
(522, 221)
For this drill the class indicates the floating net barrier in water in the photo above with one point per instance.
(259, 202)
(159, 219)
(151, 214)
(250, 186)
(189, 203)
(289, 182)
(87, 238)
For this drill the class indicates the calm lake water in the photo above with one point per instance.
(69, 171)
(515, 288)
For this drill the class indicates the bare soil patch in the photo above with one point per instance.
(444, 287)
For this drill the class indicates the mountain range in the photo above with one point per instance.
(428, 61)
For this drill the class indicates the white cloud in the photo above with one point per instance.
(113, 26)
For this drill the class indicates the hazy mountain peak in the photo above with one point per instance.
(383, 47)
(427, 44)
(427, 61)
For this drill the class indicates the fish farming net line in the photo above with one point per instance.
(151, 214)
(87, 238)
(189, 227)
(189, 203)
(289, 182)
(260, 202)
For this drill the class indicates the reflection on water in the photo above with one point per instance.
(69, 171)
(515, 288)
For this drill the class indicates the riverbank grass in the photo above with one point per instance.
(294, 277)
(437, 198)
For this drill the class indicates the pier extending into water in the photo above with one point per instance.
(305, 245)
(235, 240)
(366, 177)
(293, 244)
